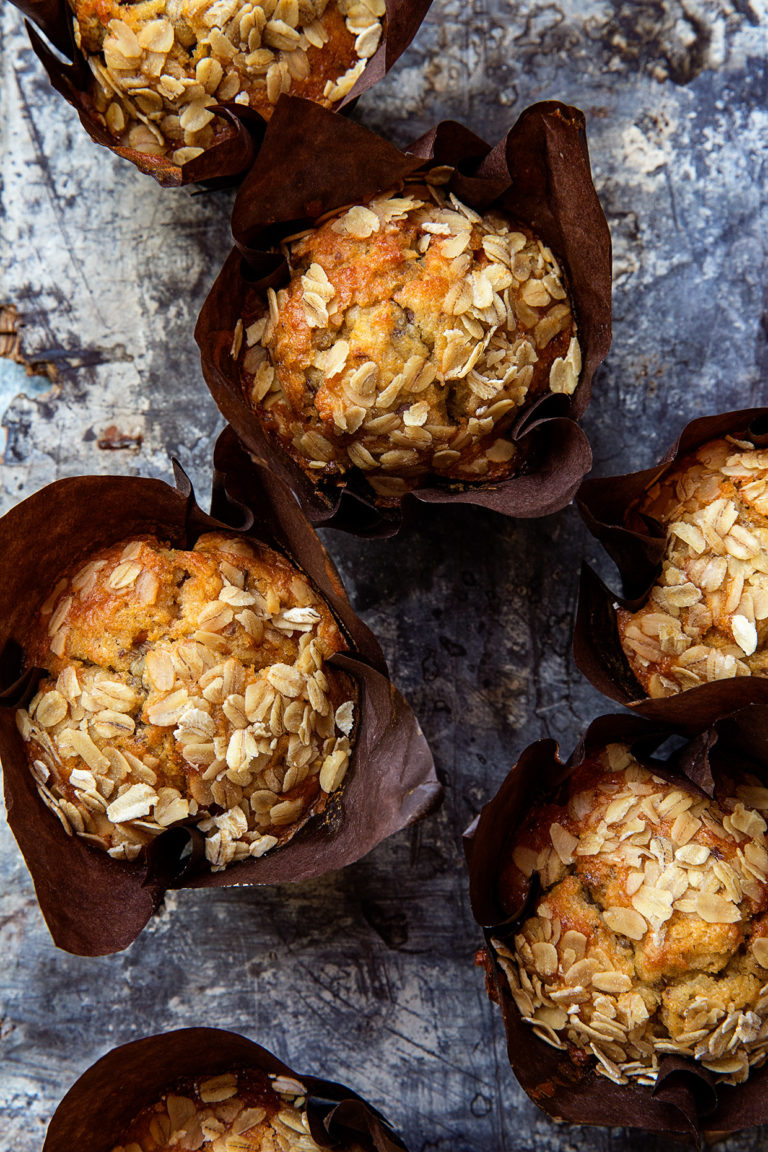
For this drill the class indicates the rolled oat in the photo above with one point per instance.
(411, 333)
(210, 701)
(650, 935)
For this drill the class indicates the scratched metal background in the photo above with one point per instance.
(367, 975)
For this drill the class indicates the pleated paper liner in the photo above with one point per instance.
(312, 162)
(92, 903)
(637, 551)
(686, 1101)
(95, 1113)
(227, 161)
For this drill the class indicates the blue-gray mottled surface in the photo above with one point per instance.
(367, 975)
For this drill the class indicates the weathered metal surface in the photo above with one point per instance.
(367, 975)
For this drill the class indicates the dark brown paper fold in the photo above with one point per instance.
(95, 1113)
(686, 1102)
(637, 550)
(227, 161)
(93, 904)
(312, 162)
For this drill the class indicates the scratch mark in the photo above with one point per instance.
(49, 185)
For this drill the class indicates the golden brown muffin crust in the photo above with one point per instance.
(241, 1111)
(649, 935)
(159, 66)
(411, 333)
(707, 614)
(187, 685)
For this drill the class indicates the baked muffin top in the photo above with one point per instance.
(707, 614)
(410, 334)
(187, 685)
(649, 935)
(159, 66)
(241, 1111)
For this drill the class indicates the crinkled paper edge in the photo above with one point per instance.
(312, 162)
(685, 1102)
(229, 160)
(93, 1116)
(93, 904)
(603, 504)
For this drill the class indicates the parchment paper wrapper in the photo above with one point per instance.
(98, 1108)
(638, 553)
(312, 162)
(93, 904)
(227, 161)
(686, 1101)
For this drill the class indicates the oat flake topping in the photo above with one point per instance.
(187, 686)
(160, 66)
(411, 332)
(707, 615)
(244, 1111)
(650, 935)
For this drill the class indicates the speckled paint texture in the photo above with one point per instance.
(368, 975)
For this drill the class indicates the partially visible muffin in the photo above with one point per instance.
(410, 335)
(707, 614)
(187, 686)
(160, 66)
(648, 933)
(240, 1111)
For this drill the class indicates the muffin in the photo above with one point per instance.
(409, 337)
(241, 1111)
(186, 686)
(160, 68)
(457, 306)
(167, 555)
(705, 617)
(206, 1088)
(645, 932)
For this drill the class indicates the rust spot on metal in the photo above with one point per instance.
(113, 440)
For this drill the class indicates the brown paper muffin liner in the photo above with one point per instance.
(312, 162)
(93, 904)
(603, 504)
(93, 1115)
(228, 160)
(685, 1101)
